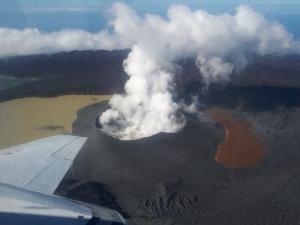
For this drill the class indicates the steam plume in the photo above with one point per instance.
(219, 43)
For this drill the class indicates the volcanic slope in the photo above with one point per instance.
(174, 178)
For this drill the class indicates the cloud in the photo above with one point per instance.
(15, 42)
(219, 43)
(237, 31)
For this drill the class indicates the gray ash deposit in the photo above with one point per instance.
(174, 179)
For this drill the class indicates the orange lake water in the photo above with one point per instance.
(241, 147)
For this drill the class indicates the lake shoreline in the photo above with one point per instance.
(27, 119)
(241, 146)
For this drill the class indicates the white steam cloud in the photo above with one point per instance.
(220, 44)
(14, 42)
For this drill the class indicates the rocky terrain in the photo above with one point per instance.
(173, 179)
(78, 72)
(101, 72)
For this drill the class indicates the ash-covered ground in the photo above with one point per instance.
(174, 179)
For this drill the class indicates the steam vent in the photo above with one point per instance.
(165, 167)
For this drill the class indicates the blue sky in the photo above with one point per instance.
(91, 15)
(154, 1)
(65, 4)
(33, 6)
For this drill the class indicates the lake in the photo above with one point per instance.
(241, 147)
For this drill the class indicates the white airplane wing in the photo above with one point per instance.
(39, 165)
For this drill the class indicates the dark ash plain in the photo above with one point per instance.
(173, 178)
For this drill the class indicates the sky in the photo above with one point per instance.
(69, 5)
(92, 15)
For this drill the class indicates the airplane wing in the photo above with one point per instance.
(39, 165)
